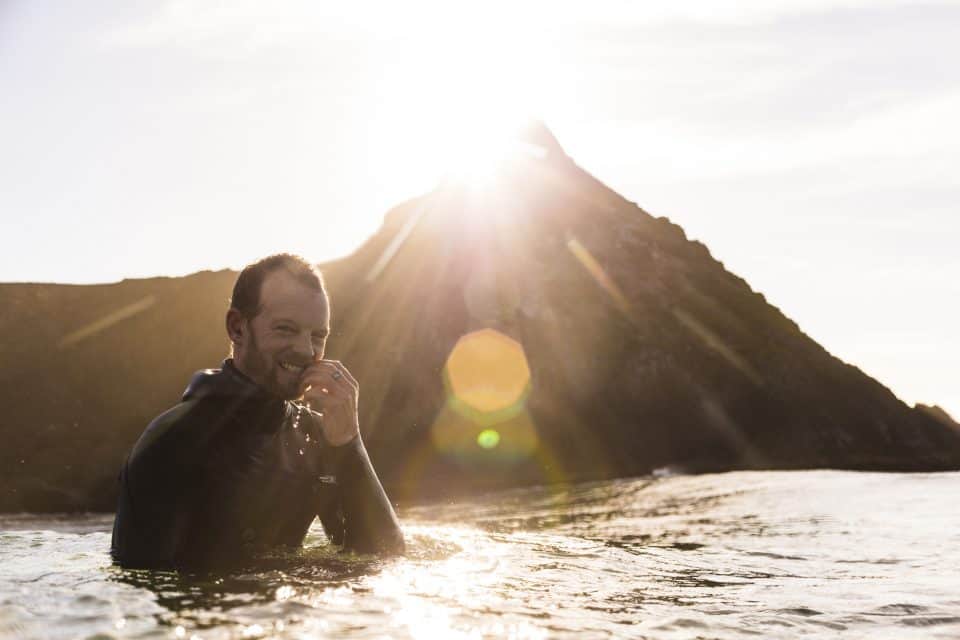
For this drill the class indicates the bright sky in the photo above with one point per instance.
(813, 145)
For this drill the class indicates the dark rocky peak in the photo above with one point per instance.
(534, 328)
(939, 414)
(643, 350)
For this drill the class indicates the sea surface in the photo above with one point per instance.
(820, 554)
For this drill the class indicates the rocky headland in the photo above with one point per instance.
(625, 347)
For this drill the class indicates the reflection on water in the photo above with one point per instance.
(721, 556)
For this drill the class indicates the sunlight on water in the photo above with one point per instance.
(803, 554)
(430, 599)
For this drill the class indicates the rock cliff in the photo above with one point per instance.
(538, 328)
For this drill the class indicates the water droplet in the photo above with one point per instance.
(301, 451)
(308, 437)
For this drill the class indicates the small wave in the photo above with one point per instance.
(668, 471)
(422, 546)
(775, 556)
(930, 621)
(681, 623)
(899, 609)
(800, 611)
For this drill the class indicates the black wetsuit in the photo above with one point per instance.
(231, 471)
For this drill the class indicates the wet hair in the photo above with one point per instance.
(246, 290)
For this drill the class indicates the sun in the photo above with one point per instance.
(453, 104)
(468, 141)
(478, 157)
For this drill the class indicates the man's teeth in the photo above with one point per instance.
(291, 367)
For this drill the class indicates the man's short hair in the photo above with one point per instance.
(246, 290)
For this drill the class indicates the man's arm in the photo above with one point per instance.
(369, 523)
(361, 517)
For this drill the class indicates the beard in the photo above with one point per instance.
(267, 373)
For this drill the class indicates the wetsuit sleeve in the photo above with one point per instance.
(361, 518)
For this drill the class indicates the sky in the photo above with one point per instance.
(812, 145)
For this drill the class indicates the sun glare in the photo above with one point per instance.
(480, 155)
(468, 144)
(454, 102)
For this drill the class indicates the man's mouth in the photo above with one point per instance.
(293, 368)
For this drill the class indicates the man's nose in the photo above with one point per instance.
(306, 348)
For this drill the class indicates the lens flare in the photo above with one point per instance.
(588, 262)
(107, 321)
(488, 438)
(460, 438)
(487, 373)
(484, 420)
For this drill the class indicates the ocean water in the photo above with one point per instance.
(819, 554)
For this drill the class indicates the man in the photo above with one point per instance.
(238, 467)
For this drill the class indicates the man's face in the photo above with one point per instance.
(288, 334)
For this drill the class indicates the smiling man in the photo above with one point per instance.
(258, 448)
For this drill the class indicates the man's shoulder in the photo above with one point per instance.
(178, 418)
(189, 426)
(180, 413)
(198, 403)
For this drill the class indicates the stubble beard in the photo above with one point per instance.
(267, 373)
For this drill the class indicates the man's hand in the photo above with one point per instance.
(331, 391)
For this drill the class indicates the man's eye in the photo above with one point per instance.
(285, 329)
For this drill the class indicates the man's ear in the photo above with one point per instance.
(236, 327)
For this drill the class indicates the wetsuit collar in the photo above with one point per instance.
(240, 395)
(227, 381)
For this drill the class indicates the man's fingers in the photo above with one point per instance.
(335, 372)
(327, 381)
(345, 373)
(339, 372)
(327, 387)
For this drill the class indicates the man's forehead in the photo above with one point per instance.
(282, 294)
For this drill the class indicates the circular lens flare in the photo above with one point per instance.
(487, 372)
(488, 438)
